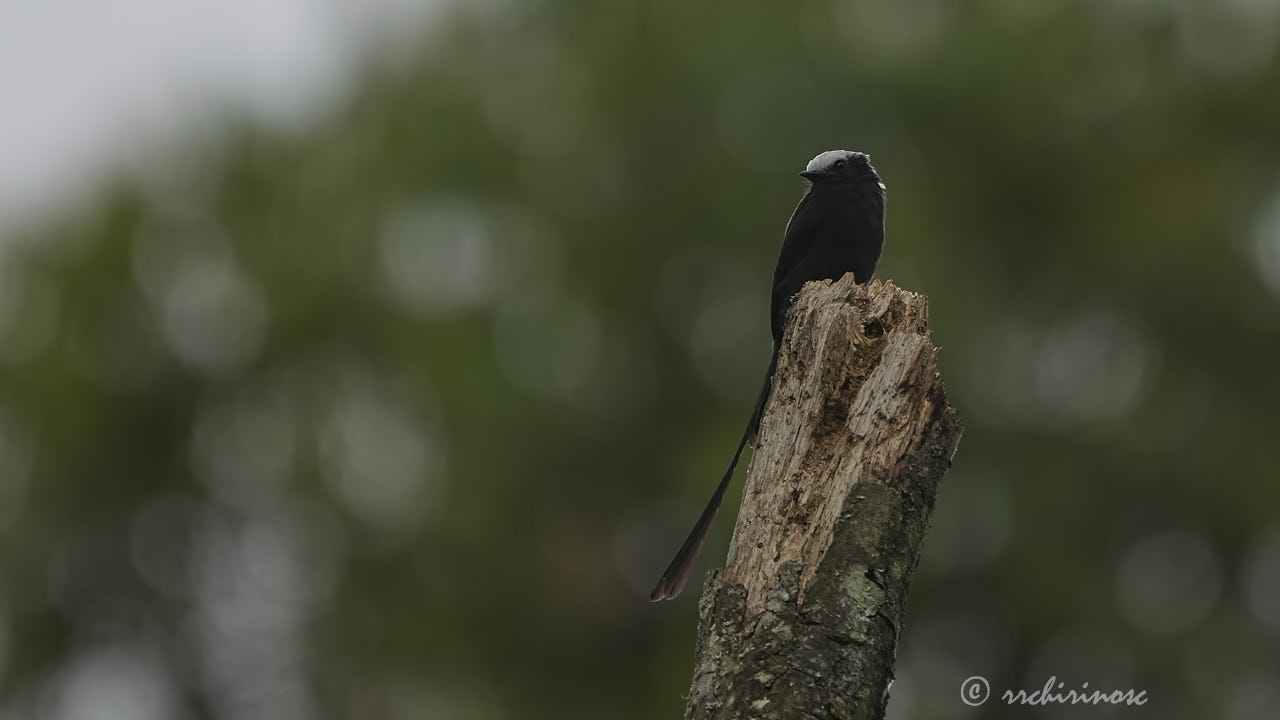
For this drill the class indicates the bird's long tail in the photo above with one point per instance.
(677, 573)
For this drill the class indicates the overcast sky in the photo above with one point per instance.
(87, 85)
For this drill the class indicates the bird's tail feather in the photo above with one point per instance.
(677, 573)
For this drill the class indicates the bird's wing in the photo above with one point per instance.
(802, 228)
(797, 239)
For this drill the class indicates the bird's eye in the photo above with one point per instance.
(841, 163)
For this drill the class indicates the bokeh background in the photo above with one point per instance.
(369, 360)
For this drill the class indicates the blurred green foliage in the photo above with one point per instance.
(401, 415)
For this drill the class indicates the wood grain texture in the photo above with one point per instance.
(857, 435)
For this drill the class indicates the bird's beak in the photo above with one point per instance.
(814, 175)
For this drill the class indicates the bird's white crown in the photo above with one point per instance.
(827, 160)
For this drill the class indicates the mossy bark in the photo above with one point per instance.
(804, 620)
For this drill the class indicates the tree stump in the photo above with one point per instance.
(803, 621)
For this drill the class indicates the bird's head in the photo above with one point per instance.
(841, 166)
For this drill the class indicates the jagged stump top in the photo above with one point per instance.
(853, 421)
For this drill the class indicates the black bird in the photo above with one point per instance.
(837, 228)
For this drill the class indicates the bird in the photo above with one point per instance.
(837, 228)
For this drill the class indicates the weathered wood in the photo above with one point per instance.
(804, 620)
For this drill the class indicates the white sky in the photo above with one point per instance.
(86, 85)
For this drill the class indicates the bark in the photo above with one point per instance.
(804, 620)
